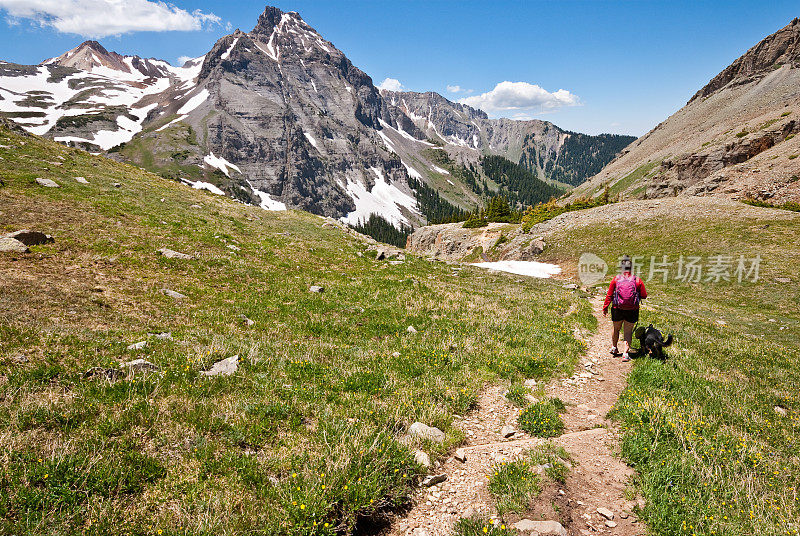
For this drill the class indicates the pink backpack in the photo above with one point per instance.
(626, 293)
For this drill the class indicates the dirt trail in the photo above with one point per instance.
(597, 480)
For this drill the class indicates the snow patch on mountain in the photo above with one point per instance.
(221, 164)
(227, 53)
(194, 102)
(385, 199)
(201, 185)
(311, 140)
(267, 203)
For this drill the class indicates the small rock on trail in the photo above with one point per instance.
(507, 431)
(540, 528)
(317, 289)
(432, 480)
(606, 513)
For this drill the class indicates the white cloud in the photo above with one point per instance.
(459, 89)
(183, 59)
(101, 18)
(392, 84)
(520, 97)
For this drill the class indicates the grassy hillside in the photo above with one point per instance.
(307, 437)
(712, 452)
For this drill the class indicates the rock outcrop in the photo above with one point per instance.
(495, 242)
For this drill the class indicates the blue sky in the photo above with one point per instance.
(624, 65)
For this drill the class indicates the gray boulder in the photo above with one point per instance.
(166, 336)
(171, 254)
(109, 374)
(81, 180)
(423, 431)
(137, 345)
(172, 294)
(226, 367)
(317, 289)
(47, 183)
(12, 245)
(422, 458)
(139, 365)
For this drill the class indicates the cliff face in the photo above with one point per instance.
(778, 49)
(736, 137)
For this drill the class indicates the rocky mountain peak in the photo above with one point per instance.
(268, 20)
(780, 48)
(88, 55)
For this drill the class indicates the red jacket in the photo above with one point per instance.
(610, 294)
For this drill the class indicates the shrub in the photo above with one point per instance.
(547, 211)
(742, 134)
(516, 395)
(794, 206)
(541, 420)
(474, 221)
(553, 458)
(513, 486)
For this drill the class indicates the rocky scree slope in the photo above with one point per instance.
(736, 137)
(280, 118)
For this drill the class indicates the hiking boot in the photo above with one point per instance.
(615, 352)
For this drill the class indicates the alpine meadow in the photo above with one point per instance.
(258, 292)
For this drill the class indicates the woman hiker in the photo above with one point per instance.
(624, 294)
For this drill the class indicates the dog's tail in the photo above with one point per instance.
(668, 341)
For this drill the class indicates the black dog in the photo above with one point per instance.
(651, 341)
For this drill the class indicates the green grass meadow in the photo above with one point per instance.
(713, 456)
(308, 436)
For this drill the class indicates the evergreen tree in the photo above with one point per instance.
(381, 230)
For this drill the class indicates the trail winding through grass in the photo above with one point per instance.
(597, 479)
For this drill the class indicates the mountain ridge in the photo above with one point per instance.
(736, 137)
(278, 117)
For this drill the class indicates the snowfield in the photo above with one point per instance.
(541, 270)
